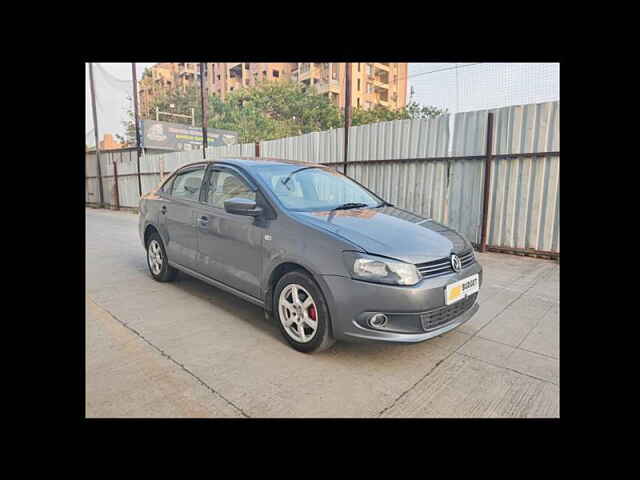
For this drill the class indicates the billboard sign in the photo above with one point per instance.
(176, 136)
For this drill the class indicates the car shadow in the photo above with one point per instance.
(248, 312)
(230, 303)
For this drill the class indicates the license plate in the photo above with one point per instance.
(458, 290)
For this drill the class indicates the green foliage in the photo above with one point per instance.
(379, 113)
(181, 103)
(129, 137)
(273, 110)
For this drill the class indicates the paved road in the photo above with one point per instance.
(187, 349)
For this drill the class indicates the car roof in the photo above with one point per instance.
(249, 162)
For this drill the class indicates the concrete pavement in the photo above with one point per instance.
(187, 349)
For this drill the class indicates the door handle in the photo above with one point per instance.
(163, 210)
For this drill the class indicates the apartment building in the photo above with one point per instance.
(109, 143)
(371, 83)
(163, 78)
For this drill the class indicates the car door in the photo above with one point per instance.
(179, 215)
(229, 246)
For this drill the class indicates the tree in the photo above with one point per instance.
(129, 137)
(180, 102)
(379, 113)
(273, 110)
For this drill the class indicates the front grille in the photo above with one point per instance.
(440, 316)
(443, 265)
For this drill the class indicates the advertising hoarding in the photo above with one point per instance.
(176, 136)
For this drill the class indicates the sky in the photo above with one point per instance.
(458, 87)
(463, 87)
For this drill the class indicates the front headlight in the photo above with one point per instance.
(380, 270)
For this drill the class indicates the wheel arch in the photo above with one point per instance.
(276, 274)
(149, 229)
(287, 266)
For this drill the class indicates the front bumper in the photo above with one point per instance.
(351, 303)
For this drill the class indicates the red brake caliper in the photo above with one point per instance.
(312, 312)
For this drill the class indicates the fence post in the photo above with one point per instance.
(487, 183)
(115, 185)
(257, 149)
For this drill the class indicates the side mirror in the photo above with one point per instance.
(242, 206)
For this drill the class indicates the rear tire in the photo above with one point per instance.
(157, 260)
(297, 300)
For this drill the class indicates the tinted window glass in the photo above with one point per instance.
(225, 185)
(187, 185)
(313, 188)
(167, 186)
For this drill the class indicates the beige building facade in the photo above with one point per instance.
(163, 78)
(371, 83)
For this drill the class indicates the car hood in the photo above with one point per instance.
(391, 232)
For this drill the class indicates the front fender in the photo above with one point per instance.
(311, 268)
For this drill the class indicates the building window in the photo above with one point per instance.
(276, 74)
(358, 100)
(218, 76)
(358, 84)
(358, 67)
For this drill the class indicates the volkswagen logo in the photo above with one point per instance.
(456, 263)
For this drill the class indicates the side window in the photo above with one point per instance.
(225, 185)
(187, 185)
(166, 188)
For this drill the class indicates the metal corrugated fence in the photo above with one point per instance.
(408, 163)
(524, 207)
(153, 168)
(524, 203)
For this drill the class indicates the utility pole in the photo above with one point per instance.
(487, 183)
(203, 98)
(136, 119)
(95, 129)
(347, 112)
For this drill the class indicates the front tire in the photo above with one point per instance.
(302, 313)
(157, 260)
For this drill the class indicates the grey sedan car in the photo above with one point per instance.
(323, 255)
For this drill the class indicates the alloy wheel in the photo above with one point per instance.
(298, 313)
(154, 253)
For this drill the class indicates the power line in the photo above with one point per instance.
(440, 70)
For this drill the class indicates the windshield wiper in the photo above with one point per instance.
(347, 206)
(284, 181)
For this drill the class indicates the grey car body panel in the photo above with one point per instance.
(390, 232)
(239, 253)
(353, 297)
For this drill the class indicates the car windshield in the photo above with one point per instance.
(302, 188)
